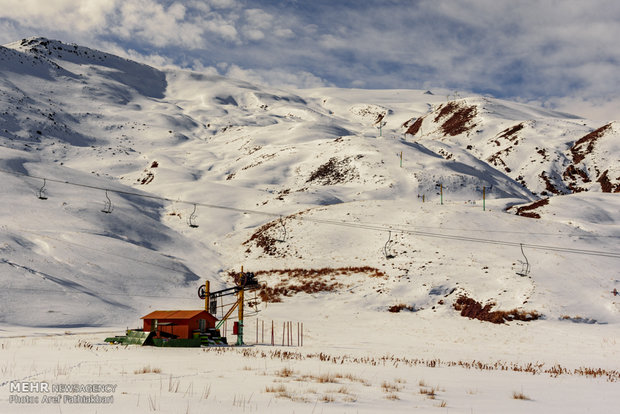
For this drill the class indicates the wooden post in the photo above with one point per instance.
(256, 331)
(272, 338)
(441, 189)
(484, 189)
(283, 331)
(262, 335)
(302, 334)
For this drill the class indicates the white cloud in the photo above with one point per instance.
(523, 49)
(82, 16)
(276, 77)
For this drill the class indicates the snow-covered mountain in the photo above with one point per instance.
(275, 179)
(377, 218)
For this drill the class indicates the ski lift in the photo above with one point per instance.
(283, 239)
(108, 204)
(192, 217)
(387, 246)
(42, 195)
(525, 266)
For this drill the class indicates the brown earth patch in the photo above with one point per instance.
(413, 128)
(606, 184)
(585, 145)
(459, 118)
(548, 184)
(526, 211)
(472, 309)
(293, 281)
(334, 171)
(269, 235)
(510, 133)
(400, 307)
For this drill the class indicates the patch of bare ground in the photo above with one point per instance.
(526, 211)
(267, 236)
(149, 176)
(571, 174)
(548, 184)
(496, 160)
(400, 307)
(585, 145)
(459, 118)
(293, 281)
(511, 133)
(413, 128)
(334, 171)
(473, 309)
(606, 184)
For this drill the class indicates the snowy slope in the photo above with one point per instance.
(277, 180)
(80, 115)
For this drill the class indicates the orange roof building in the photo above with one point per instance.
(178, 324)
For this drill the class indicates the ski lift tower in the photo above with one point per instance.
(243, 281)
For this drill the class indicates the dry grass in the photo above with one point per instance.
(387, 387)
(520, 396)
(285, 372)
(430, 393)
(275, 389)
(609, 375)
(147, 370)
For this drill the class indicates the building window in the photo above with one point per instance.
(202, 323)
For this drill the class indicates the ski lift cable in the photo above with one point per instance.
(342, 223)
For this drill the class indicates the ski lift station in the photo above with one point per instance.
(192, 328)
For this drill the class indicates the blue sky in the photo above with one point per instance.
(561, 54)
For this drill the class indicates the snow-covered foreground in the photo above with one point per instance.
(414, 365)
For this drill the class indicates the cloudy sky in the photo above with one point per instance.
(558, 53)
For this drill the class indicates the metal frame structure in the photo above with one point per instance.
(244, 281)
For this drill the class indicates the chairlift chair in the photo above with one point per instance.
(191, 218)
(283, 239)
(108, 204)
(387, 246)
(42, 195)
(525, 266)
